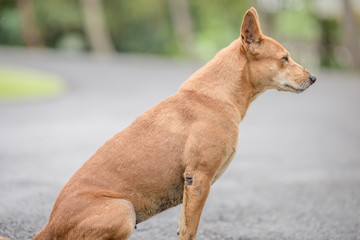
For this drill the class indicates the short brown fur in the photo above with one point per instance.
(174, 151)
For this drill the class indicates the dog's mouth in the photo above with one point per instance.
(297, 90)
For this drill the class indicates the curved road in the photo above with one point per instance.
(296, 174)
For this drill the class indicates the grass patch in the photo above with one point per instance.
(18, 83)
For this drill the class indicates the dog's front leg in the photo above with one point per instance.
(196, 189)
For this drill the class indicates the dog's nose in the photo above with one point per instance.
(312, 79)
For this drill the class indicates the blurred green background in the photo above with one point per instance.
(318, 33)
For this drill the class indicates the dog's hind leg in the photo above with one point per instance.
(108, 218)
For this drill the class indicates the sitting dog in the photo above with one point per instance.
(176, 150)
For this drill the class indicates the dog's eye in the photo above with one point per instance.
(286, 59)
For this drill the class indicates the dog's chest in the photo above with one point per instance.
(169, 197)
(224, 165)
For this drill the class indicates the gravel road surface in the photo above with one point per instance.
(296, 174)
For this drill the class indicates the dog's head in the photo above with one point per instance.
(269, 65)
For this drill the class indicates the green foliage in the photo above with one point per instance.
(141, 26)
(10, 33)
(59, 21)
(217, 24)
(330, 32)
(145, 26)
(297, 26)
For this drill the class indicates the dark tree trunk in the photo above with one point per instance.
(351, 33)
(29, 30)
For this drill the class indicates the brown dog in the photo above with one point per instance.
(174, 151)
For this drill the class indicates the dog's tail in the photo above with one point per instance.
(4, 238)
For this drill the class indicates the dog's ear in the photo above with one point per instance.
(250, 30)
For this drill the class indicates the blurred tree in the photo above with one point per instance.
(183, 25)
(142, 26)
(216, 24)
(61, 23)
(95, 28)
(29, 29)
(10, 30)
(329, 37)
(351, 33)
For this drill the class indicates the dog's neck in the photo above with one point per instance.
(226, 78)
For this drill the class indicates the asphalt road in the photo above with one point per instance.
(296, 174)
